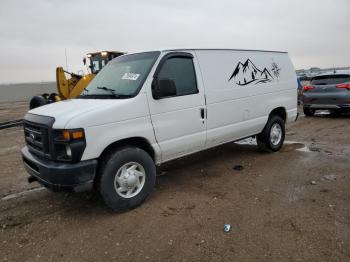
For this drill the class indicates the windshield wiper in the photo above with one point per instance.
(106, 89)
(113, 92)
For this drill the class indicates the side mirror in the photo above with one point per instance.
(84, 61)
(163, 88)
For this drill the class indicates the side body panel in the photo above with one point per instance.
(242, 88)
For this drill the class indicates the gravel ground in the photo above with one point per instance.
(292, 205)
(13, 110)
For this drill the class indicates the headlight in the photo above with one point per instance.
(69, 145)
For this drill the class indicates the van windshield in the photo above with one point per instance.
(122, 77)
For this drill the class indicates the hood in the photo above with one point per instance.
(66, 110)
(70, 108)
(79, 113)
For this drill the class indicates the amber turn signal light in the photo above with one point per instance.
(77, 134)
(73, 135)
(66, 135)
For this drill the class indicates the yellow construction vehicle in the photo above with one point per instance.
(76, 83)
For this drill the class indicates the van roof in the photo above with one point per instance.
(222, 49)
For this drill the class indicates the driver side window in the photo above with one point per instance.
(181, 71)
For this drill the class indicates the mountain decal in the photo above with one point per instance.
(248, 73)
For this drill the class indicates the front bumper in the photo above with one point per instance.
(60, 176)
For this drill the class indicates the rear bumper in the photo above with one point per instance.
(319, 100)
(60, 176)
(327, 106)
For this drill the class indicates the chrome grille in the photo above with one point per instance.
(36, 137)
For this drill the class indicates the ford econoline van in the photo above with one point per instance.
(145, 109)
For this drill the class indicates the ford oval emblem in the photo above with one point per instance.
(32, 136)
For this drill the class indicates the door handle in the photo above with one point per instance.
(202, 110)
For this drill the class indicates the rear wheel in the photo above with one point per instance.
(272, 137)
(308, 111)
(335, 112)
(127, 177)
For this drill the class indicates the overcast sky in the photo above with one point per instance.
(34, 34)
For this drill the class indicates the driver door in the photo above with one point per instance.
(178, 116)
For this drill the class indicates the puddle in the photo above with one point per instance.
(295, 145)
(289, 145)
(23, 193)
(303, 149)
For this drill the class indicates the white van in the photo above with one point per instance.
(145, 109)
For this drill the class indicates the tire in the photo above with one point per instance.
(272, 137)
(335, 112)
(112, 177)
(308, 111)
(37, 101)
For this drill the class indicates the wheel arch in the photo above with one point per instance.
(139, 142)
(279, 111)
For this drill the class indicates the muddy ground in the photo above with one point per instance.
(293, 205)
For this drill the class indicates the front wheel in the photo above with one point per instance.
(272, 137)
(127, 177)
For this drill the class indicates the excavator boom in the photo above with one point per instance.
(74, 86)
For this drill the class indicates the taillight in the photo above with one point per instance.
(347, 86)
(307, 88)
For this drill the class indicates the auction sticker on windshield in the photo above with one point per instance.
(130, 76)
